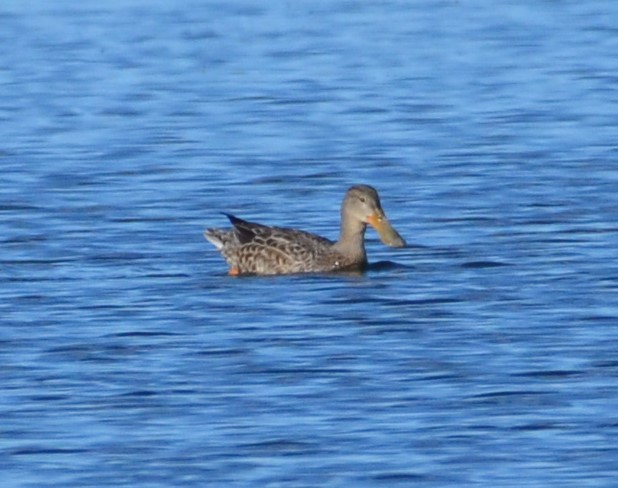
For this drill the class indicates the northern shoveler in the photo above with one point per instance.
(251, 248)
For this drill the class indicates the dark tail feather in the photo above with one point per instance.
(243, 229)
(233, 219)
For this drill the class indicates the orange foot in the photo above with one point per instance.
(233, 271)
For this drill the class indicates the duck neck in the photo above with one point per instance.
(352, 238)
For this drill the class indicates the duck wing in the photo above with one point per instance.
(279, 237)
(262, 249)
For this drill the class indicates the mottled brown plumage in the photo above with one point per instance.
(251, 248)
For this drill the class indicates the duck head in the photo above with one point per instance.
(362, 203)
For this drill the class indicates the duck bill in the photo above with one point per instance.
(388, 235)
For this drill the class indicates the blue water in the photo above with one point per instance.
(483, 354)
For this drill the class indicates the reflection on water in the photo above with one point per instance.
(480, 354)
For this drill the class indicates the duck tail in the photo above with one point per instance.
(217, 237)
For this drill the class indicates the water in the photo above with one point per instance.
(484, 354)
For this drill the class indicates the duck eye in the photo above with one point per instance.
(362, 199)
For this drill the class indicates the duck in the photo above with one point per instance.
(251, 248)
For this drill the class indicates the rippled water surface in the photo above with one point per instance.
(483, 354)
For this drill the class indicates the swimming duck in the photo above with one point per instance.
(251, 248)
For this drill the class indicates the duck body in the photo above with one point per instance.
(252, 248)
